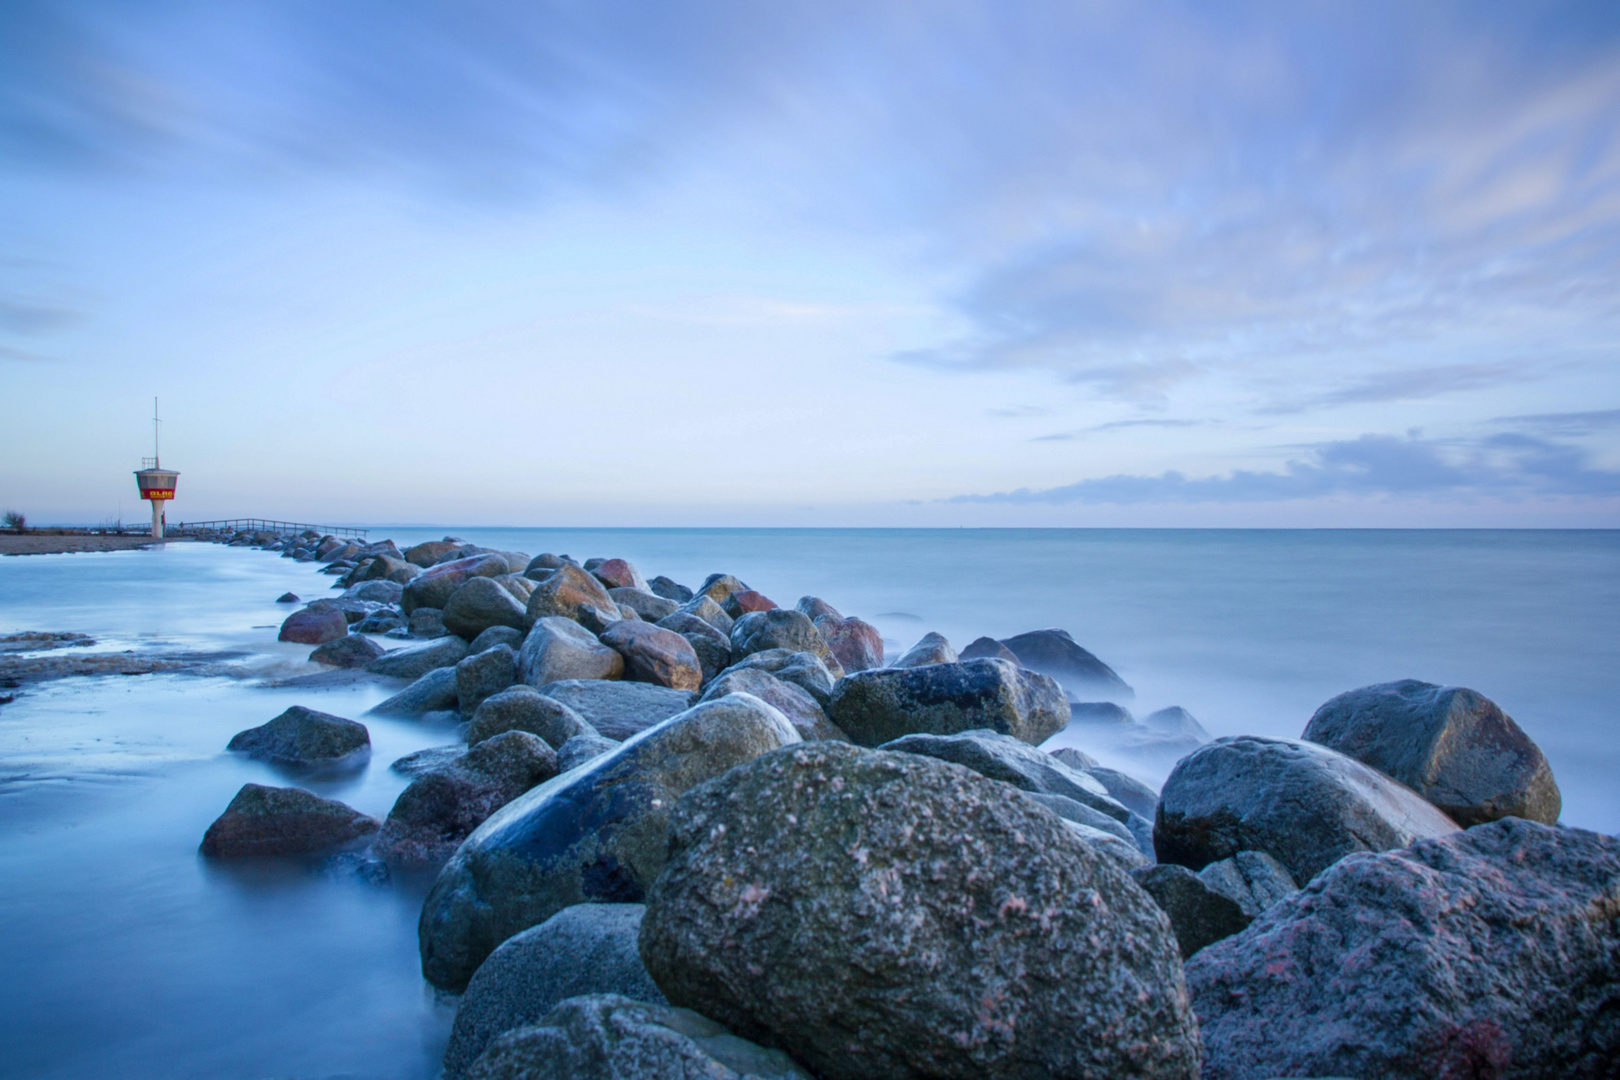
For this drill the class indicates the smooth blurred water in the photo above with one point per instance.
(125, 954)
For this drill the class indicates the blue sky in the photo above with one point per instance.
(845, 264)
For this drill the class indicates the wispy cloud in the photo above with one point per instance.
(1570, 423)
(1118, 425)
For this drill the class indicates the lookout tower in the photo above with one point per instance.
(156, 482)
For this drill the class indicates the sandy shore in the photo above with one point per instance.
(53, 544)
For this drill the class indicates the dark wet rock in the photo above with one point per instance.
(426, 760)
(1453, 746)
(746, 601)
(1303, 804)
(856, 645)
(618, 710)
(874, 707)
(611, 1037)
(516, 561)
(793, 702)
(931, 648)
(594, 834)
(443, 805)
(1100, 712)
(433, 692)
(711, 613)
(426, 622)
(1054, 653)
(781, 628)
(712, 648)
(381, 592)
(559, 648)
(543, 564)
(497, 635)
(619, 574)
(815, 608)
(349, 651)
(888, 915)
(301, 736)
(1200, 914)
(354, 611)
(584, 949)
(582, 749)
(433, 588)
(646, 605)
(669, 589)
(283, 821)
(428, 553)
(383, 621)
(802, 669)
(414, 662)
(1252, 878)
(384, 568)
(655, 655)
(571, 593)
(1493, 952)
(484, 674)
(986, 648)
(313, 626)
(480, 604)
(718, 587)
(287, 598)
(523, 708)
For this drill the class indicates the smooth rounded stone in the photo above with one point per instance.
(426, 760)
(669, 589)
(713, 649)
(1137, 795)
(426, 622)
(611, 1037)
(523, 708)
(802, 669)
(875, 707)
(711, 613)
(480, 604)
(794, 702)
(434, 587)
(385, 621)
(645, 604)
(418, 660)
(313, 626)
(543, 563)
(1126, 853)
(354, 611)
(484, 674)
(571, 593)
(433, 692)
(496, 635)
(1054, 652)
(519, 586)
(1199, 913)
(931, 648)
(1105, 713)
(881, 915)
(584, 949)
(349, 651)
(627, 613)
(746, 601)
(986, 648)
(581, 749)
(654, 655)
(301, 736)
(516, 561)
(287, 598)
(383, 568)
(718, 587)
(618, 710)
(1072, 810)
(382, 592)
(1453, 746)
(855, 644)
(619, 574)
(431, 551)
(1492, 952)
(1303, 804)
(443, 805)
(283, 821)
(557, 648)
(781, 628)
(815, 607)
(594, 834)
(1012, 761)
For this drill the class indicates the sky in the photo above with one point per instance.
(823, 263)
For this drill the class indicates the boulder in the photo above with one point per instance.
(793, 702)
(1076, 759)
(582, 749)
(584, 949)
(314, 626)
(282, 821)
(1493, 952)
(745, 601)
(496, 635)
(433, 588)
(519, 586)
(931, 648)
(611, 1037)
(1054, 653)
(712, 648)
(381, 592)
(426, 622)
(619, 574)
(443, 805)
(386, 567)
(718, 587)
(1200, 913)
(1102, 833)
(802, 669)
(349, 651)
(781, 628)
(711, 613)
(815, 607)
(669, 589)
(430, 552)
(884, 915)
(1303, 804)
(433, 692)
(593, 834)
(618, 710)
(856, 645)
(559, 648)
(1137, 795)
(985, 648)
(1001, 757)
(413, 663)
(1453, 746)
(654, 655)
(523, 708)
(301, 736)
(571, 593)
(484, 674)
(427, 760)
(543, 564)
(643, 603)
(1176, 721)
(383, 621)
(874, 707)
(1104, 713)
(287, 598)
(480, 604)
(1252, 878)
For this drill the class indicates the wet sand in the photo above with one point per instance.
(57, 544)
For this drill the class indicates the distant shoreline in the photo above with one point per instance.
(30, 543)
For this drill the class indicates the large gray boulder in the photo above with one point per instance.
(1055, 653)
(802, 669)
(710, 646)
(283, 821)
(1218, 901)
(710, 612)
(434, 587)
(1453, 746)
(1493, 952)
(382, 592)
(313, 626)
(418, 660)
(433, 692)
(559, 648)
(484, 674)
(571, 593)
(618, 710)
(496, 635)
(523, 708)
(794, 702)
(350, 651)
(619, 574)
(985, 648)
(583, 749)
(882, 915)
(480, 604)
(1303, 804)
(304, 737)
(594, 834)
(610, 1037)
(654, 655)
(931, 648)
(584, 949)
(1001, 757)
(780, 628)
(648, 606)
(669, 589)
(875, 707)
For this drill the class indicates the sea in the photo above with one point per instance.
(124, 953)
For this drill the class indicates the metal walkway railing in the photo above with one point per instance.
(260, 525)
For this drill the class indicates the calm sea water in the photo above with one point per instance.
(126, 954)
